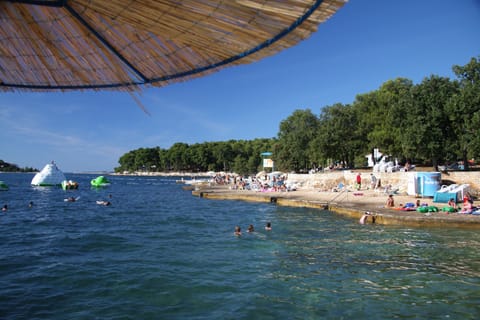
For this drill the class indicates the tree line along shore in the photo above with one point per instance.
(435, 122)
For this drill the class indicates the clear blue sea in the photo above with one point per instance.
(160, 253)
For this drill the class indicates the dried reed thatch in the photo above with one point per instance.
(119, 44)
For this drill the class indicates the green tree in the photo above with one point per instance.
(163, 160)
(127, 162)
(200, 157)
(177, 155)
(240, 153)
(381, 115)
(429, 130)
(464, 110)
(337, 135)
(146, 159)
(296, 134)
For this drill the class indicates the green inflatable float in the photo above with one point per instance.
(100, 181)
(424, 209)
(3, 186)
(449, 209)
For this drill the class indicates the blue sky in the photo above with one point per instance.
(365, 44)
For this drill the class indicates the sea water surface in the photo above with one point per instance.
(160, 253)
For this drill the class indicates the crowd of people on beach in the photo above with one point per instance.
(425, 208)
(451, 207)
(273, 183)
(261, 183)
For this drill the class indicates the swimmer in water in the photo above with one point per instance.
(238, 231)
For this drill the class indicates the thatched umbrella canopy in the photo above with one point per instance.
(95, 44)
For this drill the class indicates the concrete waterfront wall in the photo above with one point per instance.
(326, 181)
(382, 216)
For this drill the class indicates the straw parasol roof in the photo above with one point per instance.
(121, 45)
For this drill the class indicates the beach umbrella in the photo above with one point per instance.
(123, 45)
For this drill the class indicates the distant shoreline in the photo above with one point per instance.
(164, 174)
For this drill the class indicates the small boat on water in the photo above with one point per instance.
(49, 176)
(3, 186)
(99, 182)
(69, 185)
